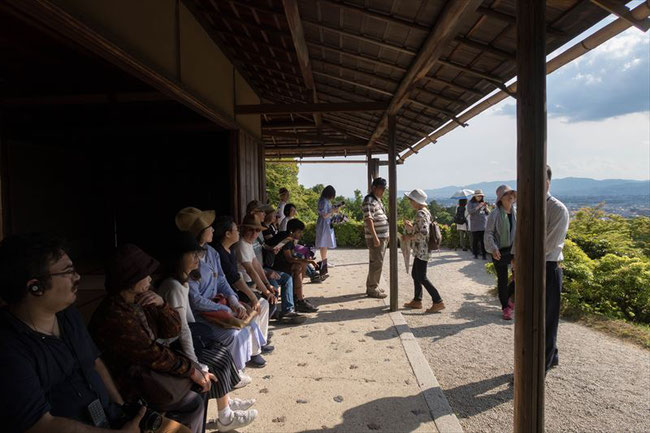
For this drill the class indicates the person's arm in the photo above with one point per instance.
(175, 298)
(260, 281)
(48, 424)
(557, 226)
(325, 210)
(200, 303)
(368, 220)
(490, 242)
(103, 372)
(243, 287)
(473, 208)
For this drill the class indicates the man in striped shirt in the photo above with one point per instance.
(376, 233)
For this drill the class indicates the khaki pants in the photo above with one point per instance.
(376, 256)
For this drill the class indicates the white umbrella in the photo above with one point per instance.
(463, 193)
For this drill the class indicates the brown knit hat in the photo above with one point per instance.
(193, 220)
(128, 266)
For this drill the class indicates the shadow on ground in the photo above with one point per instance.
(474, 398)
(374, 416)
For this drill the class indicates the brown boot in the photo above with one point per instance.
(413, 304)
(436, 307)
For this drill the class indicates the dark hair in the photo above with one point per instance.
(295, 224)
(282, 190)
(379, 182)
(25, 257)
(222, 224)
(329, 192)
(287, 209)
(549, 173)
(474, 200)
(462, 202)
(179, 244)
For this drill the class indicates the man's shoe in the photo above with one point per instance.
(376, 294)
(413, 304)
(240, 419)
(292, 317)
(244, 380)
(436, 307)
(240, 403)
(256, 362)
(268, 348)
(303, 306)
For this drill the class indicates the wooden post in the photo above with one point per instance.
(392, 211)
(369, 162)
(531, 217)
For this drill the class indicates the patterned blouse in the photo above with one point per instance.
(126, 334)
(421, 234)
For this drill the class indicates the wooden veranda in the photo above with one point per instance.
(249, 79)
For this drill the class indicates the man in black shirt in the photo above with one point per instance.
(51, 376)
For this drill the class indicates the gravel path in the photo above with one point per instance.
(601, 385)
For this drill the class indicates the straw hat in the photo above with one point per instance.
(193, 220)
(503, 190)
(479, 193)
(256, 205)
(251, 223)
(418, 196)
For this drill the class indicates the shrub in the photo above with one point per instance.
(450, 238)
(348, 235)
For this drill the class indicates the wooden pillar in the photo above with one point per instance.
(392, 211)
(531, 217)
(369, 163)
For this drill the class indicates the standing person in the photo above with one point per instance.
(376, 234)
(290, 212)
(284, 199)
(324, 230)
(478, 215)
(462, 223)
(418, 232)
(180, 260)
(499, 241)
(557, 224)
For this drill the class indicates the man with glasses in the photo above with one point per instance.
(52, 378)
(376, 233)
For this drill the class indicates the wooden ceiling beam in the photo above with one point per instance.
(85, 99)
(512, 20)
(445, 29)
(310, 108)
(623, 13)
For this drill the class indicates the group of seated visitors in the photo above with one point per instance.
(167, 337)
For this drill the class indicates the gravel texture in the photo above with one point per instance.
(601, 385)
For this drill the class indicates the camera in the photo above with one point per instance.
(151, 421)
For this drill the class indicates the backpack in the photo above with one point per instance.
(435, 236)
(459, 218)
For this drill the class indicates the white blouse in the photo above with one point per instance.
(176, 295)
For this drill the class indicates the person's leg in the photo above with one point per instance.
(262, 319)
(417, 285)
(374, 267)
(422, 277)
(323, 258)
(190, 411)
(501, 267)
(475, 243)
(553, 297)
(286, 287)
(482, 241)
(297, 274)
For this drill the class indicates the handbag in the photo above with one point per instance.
(224, 319)
(161, 390)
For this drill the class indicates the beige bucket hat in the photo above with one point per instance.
(193, 220)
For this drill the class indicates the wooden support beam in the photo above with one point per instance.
(310, 108)
(314, 148)
(444, 30)
(328, 161)
(300, 124)
(624, 13)
(485, 75)
(481, 46)
(298, 35)
(321, 138)
(392, 212)
(87, 99)
(511, 19)
(530, 277)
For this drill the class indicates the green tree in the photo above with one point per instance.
(285, 175)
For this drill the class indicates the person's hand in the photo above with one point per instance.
(375, 242)
(133, 426)
(273, 289)
(313, 263)
(336, 210)
(240, 312)
(212, 378)
(497, 255)
(273, 275)
(270, 296)
(200, 379)
(149, 298)
(408, 224)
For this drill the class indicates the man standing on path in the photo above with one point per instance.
(376, 234)
(557, 224)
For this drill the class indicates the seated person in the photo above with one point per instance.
(252, 271)
(181, 259)
(126, 327)
(227, 234)
(245, 344)
(51, 376)
(290, 212)
(286, 262)
(270, 223)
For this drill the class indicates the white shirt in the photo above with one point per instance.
(245, 254)
(557, 225)
(176, 295)
(283, 224)
(280, 212)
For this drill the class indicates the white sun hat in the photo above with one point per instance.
(418, 196)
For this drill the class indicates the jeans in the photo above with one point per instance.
(463, 237)
(419, 274)
(286, 291)
(553, 294)
(477, 237)
(501, 266)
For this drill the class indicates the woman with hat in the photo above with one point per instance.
(126, 327)
(478, 214)
(324, 231)
(245, 343)
(181, 260)
(418, 232)
(500, 241)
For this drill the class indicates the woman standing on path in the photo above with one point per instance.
(324, 231)
(500, 240)
(462, 223)
(478, 215)
(419, 233)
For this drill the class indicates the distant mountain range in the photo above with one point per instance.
(567, 187)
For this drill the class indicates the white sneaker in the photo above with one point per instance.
(241, 404)
(240, 419)
(244, 380)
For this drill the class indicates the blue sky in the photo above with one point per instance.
(598, 126)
